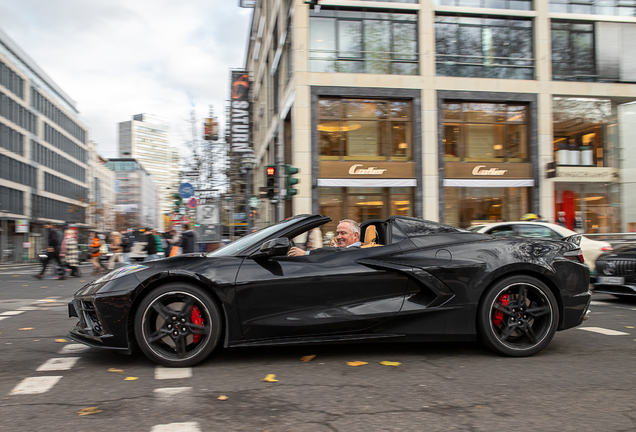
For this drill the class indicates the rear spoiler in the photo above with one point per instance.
(576, 239)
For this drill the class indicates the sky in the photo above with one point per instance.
(118, 58)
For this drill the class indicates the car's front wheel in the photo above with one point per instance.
(518, 316)
(177, 325)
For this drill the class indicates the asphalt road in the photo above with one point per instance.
(583, 381)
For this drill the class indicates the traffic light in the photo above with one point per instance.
(290, 181)
(270, 180)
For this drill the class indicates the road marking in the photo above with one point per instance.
(35, 385)
(55, 364)
(612, 305)
(11, 313)
(28, 308)
(73, 349)
(162, 373)
(171, 391)
(177, 427)
(3, 317)
(600, 330)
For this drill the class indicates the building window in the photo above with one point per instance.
(12, 200)
(466, 206)
(485, 132)
(494, 4)
(573, 51)
(11, 80)
(365, 129)
(484, 47)
(361, 41)
(597, 7)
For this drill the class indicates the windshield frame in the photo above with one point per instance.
(237, 247)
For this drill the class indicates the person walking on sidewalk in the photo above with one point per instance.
(127, 241)
(70, 252)
(95, 253)
(52, 251)
(117, 249)
(188, 241)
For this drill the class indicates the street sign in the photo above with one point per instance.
(186, 190)
(21, 226)
(208, 214)
(254, 202)
(193, 202)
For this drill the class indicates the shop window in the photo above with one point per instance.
(582, 129)
(485, 132)
(484, 47)
(364, 129)
(363, 41)
(468, 206)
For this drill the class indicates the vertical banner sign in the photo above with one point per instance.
(240, 120)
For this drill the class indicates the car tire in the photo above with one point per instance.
(518, 316)
(177, 325)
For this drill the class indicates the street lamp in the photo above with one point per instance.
(248, 163)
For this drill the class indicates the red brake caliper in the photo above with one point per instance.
(497, 317)
(196, 319)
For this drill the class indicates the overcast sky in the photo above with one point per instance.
(117, 58)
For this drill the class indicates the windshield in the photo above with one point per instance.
(259, 236)
(475, 228)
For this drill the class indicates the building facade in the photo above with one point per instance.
(101, 210)
(459, 111)
(146, 139)
(44, 155)
(136, 194)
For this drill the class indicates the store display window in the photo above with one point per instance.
(466, 206)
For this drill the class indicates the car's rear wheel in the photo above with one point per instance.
(177, 325)
(518, 316)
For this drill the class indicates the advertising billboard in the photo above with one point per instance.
(240, 112)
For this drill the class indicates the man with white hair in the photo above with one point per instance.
(347, 235)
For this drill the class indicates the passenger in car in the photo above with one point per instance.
(347, 235)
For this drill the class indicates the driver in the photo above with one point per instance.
(347, 235)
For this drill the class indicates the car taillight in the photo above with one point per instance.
(575, 255)
(581, 256)
(607, 248)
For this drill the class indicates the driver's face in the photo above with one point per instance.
(344, 235)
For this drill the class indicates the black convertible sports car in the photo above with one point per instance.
(412, 280)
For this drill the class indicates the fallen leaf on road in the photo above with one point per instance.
(24, 285)
(116, 370)
(14, 275)
(307, 358)
(36, 340)
(131, 378)
(90, 410)
(388, 363)
(270, 378)
(222, 398)
(61, 340)
(357, 363)
(629, 327)
(27, 328)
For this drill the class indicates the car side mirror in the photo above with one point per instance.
(275, 247)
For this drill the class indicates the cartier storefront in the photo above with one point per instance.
(488, 148)
(367, 144)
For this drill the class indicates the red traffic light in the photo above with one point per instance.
(271, 171)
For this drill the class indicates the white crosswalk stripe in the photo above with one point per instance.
(35, 385)
(170, 391)
(604, 331)
(73, 349)
(12, 313)
(57, 364)
(163, 373)
(177, 427)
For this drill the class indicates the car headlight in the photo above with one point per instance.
(121, 272)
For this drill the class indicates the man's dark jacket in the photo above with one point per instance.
(187, 242)
(54, 240)
(151, 247)
(127, 240)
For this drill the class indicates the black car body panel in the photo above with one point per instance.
(616, 272)
(424, 282)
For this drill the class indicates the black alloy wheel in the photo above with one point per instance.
(177, 325)
(518, 317)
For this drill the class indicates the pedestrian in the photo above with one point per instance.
(94, 248)
(166, 240)
(127, 241)
(52, 251)
(188, 240)
(561, 219)
(116, 248)
(71, 252)
(151, 245)
(175, 243)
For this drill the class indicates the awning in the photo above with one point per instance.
(367, 182)
(488, 183)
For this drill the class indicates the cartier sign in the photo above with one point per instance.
(368, 170)
(485, 170)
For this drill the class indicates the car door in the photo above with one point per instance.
(333, 292)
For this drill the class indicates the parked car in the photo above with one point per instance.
(616, 272)
(544, 230)
(423, 281)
